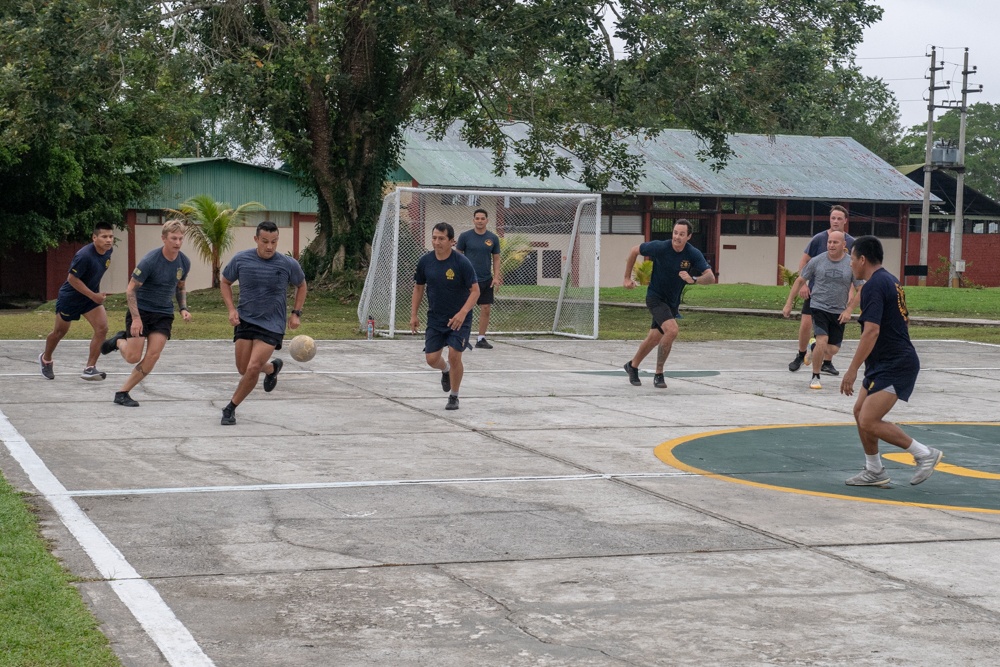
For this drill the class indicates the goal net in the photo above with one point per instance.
(549, 248)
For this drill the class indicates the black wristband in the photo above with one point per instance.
(182, 309)
(297, 313)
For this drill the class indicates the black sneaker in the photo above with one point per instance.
(111, 344)
(633, 374)
(271, 379)
(483, 344)
(446, 384)
(797, 362)
(659, 382)
(122, 398)
(452, 403)
(228, 416)
(828, 368)
(47, 371)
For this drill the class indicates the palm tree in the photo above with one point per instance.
(210, 227)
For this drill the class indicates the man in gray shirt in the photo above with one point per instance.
(833, 299)
(264, 275)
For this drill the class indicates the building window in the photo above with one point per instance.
(459, 200)
(552, 264)
(151, 217)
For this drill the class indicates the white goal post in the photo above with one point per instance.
(550, 258)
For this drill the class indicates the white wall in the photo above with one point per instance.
(614, 251)
(754, 260)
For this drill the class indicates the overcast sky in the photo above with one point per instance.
(894, 49)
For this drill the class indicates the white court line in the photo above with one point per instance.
(372, 483)
(174, 640)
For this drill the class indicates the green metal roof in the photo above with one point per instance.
(770, 166)
(230, 181)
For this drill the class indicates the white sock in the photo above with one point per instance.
(453, 393)
(480, 337)
(873, 462)
(447, 367)
(918, 449)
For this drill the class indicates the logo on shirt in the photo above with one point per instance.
(107, 263)
(137, 272)
(180, 273)
(685, 264)
(901, 302)
(449, 274)
(488, 243)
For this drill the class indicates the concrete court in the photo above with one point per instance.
(348, 519)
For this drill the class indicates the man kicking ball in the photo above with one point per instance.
(452, 292)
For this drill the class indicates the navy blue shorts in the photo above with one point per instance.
(807, 307)
(485, 293)
(151, 323)
(71, 311)
(436, 337)
(828, 324)
(901, 382)
(660, 310)
(247, 331)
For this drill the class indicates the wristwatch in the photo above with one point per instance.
(297, 313)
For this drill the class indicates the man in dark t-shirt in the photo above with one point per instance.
(891, 367)
(80, 296)
(482, 247)
(264, 275)
(676, 264)
(452, 291)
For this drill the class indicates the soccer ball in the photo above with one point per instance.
(303, 348)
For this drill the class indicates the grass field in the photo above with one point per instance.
(44, 620)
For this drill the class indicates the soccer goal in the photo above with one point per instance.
(550, 247)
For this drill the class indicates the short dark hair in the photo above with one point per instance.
(838, 207)
(266, 226)
(870, 248)
(103, 226)
(686, 223)
(445, 227)
(480, 210)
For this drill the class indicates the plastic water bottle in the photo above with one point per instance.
(371, 327)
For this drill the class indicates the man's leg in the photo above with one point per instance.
(98, 318)
(59, 330)
(670, 331)
(252, 359)
(457, 369)
(484, 318)
(154, 347)
(805, 332)
(131, 348)
(647, 345)
(819, 354)
(869, 411)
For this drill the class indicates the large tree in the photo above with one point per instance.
(83, 105)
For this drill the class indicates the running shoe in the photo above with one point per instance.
(815, 383)
(659, 382)
(483, 344)
(47, 371)
(446, 382)
(111, 344)
(122, 398)
(452, 403)
(633, 374)
(228, 416)
(925, 465)
(828, 368)
(796, 363)
(868, 478)
(271, 379)
(91, 373)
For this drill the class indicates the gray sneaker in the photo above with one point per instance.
(868, 478)
(91, 373)
(925, 465)
(47, 371)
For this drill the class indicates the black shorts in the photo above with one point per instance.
(901, 381)
(806, 309)
(660, 310)
(485, 293)
(151, 323)
(436, 337)
(828, 324)
(72, 311)
(247, 331)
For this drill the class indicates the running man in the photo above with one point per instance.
(834, 296)
(891, 367)
(259, 321)
(482, 247)
(817, 245)
(80, 297)
(676, 263)
(157, 277)
(452, 292)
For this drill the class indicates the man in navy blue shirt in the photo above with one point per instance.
(80, 296)
(264, 275)
(452, 292)
(676, 264)
(891, 367)
(482, 247)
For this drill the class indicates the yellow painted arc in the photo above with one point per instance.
(907, 459)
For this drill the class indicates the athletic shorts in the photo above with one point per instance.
(71, 311)
(806, 309)
(247, 331)
(151, 323)
(436, 337)
(660, 310)
(485, 293)
(828, 324)
(901, 381)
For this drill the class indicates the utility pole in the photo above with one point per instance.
(925, 211)
(956, 265)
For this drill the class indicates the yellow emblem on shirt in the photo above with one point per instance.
(180, 274)
(488, 243)
(449, 274)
